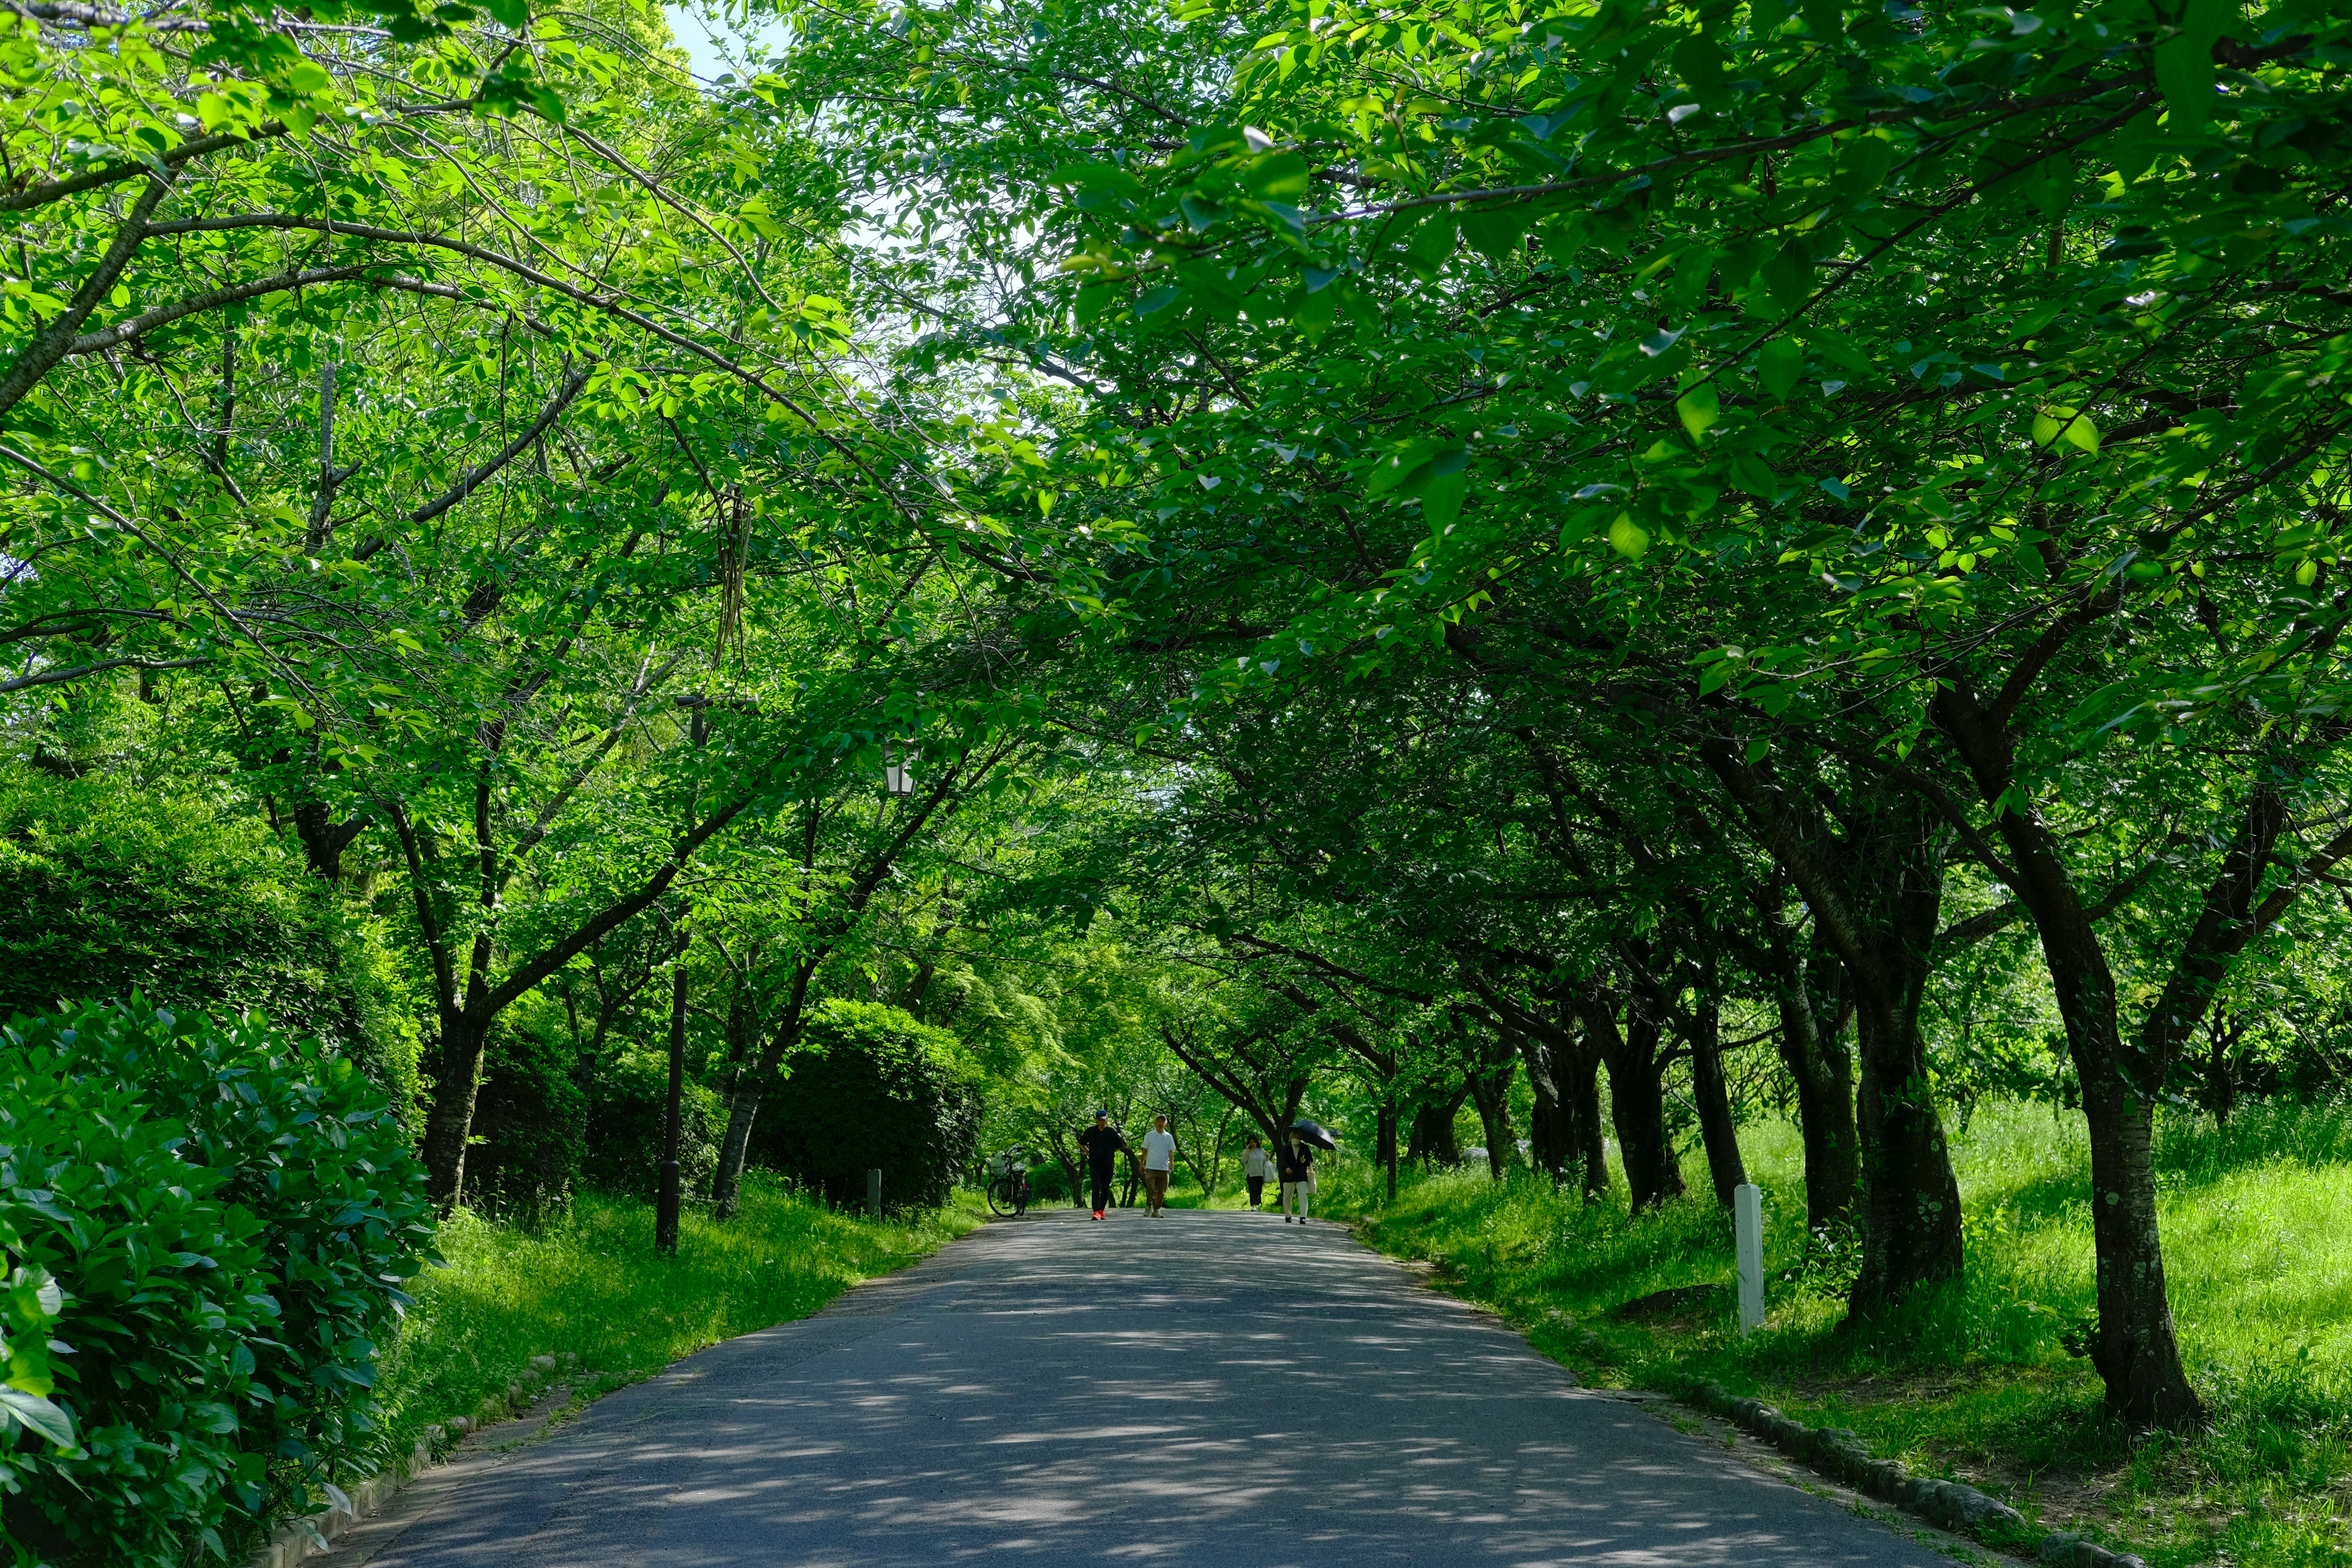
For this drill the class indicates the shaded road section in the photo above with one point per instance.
(1209, 1388)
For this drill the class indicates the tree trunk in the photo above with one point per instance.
(1812, 1048)
(324, 838)
(1716, 1127)
(1911, 1208)
(1875, 899)
(451, 1121)
(743, 1094)
(1637, 1097)
(2137, 1353)
(1384, 1142)
(2220, 1077)
(734, 1149)
(1824, 1081)
(1490, 1092)
(1576, 1069)
(1548, 1121)
(1591, 1144)
(1432, 1130)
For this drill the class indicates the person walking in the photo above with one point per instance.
(1257, 1166)
(1158, 1164)
(1103, 1145)
(1296, 1165)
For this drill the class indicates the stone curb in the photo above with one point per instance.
(299, 1539)
(1842, 1455)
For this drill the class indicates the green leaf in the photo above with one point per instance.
(1779, 365)
(1754, 475)
(1628, 538)
(2184, 71)
(37, 1413)
(1495, 233)
(511, 14)
(1441, 498)
(1401, 463)
(1861, 167)
(1277, 177)
(1788, 278)
(2184, 63)
(2054, 425)
(1700, 407)
(1433, 242)
(1839, 349)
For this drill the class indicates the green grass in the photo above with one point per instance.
(1975, 1381)
(591, 1284)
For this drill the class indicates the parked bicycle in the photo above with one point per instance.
(1008, 1185)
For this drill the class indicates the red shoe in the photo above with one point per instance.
(1098, 1213)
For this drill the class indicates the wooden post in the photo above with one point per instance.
(873, 1193)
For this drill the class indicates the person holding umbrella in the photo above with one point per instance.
(1295, 1163)
(1103, 1145)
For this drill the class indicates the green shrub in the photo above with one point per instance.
(224, 1213)
(106, 890)
(870, 1088)
(626, 1105)
(530, 1123)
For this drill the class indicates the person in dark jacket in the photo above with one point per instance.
(1296, 1165)
(1103, 1145)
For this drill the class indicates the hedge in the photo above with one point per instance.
(210, 1222)
(873, 1088)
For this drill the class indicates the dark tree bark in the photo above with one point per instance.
(667, 1195)
(1874, 902)
(1717, 1129)
(1911, 1213)
(744, 1092)
(1812, 1047)
(1385, 1138)
(2137, 1350)
(1548, 1118)
(1580, 1099)
(1560, 1121)
(1636, 1058)
(2222, 1036)
(1433, 1140)
(1493, 1061)
(324, 838)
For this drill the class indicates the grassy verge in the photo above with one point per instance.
(1976, 1382)
(591, 1284)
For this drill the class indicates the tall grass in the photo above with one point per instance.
(1977, 1379)
(590, 1283)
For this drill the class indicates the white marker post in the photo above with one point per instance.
(873, 1193)
(1748, 1216)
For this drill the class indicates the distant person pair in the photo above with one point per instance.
(1103, 1144)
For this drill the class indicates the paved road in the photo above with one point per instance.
(1216, 1389)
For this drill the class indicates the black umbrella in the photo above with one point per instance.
(1313, 1134)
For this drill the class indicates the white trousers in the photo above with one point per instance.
(1293, 1199)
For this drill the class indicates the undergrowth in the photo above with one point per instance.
(1976, 1380)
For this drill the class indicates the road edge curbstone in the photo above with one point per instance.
(307, 1536)
(1842, 1455)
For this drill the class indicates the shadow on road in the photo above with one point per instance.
(1207, 1388)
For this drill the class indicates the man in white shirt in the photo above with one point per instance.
(1158, 1159)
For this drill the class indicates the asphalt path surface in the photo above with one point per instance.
(1212, 1388)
